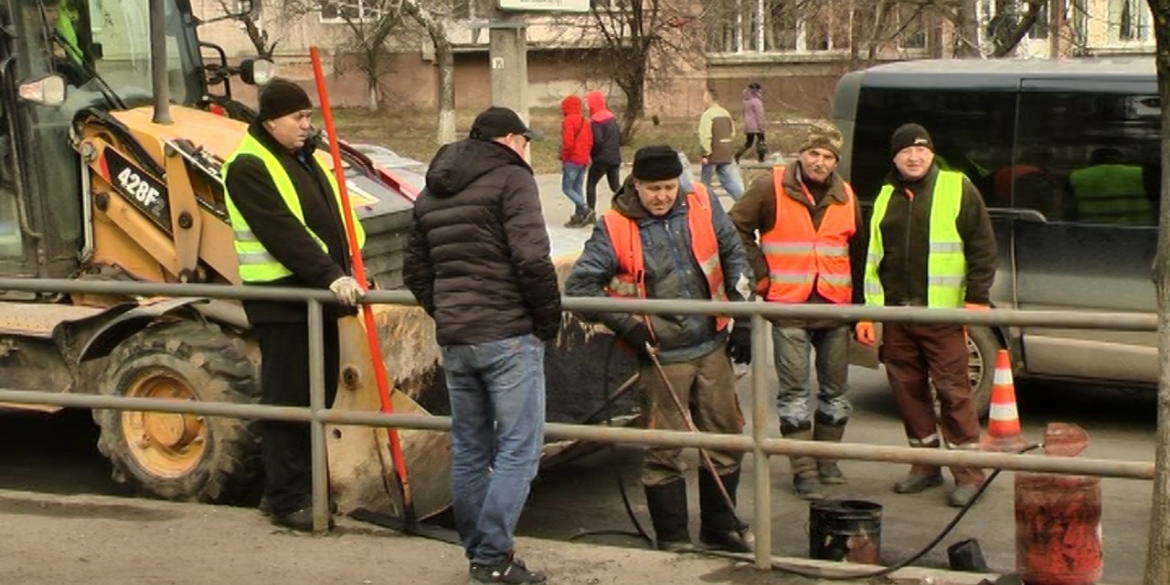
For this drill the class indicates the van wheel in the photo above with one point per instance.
(982, 346)
(181, 456)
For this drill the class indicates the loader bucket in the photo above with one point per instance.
(581, 368)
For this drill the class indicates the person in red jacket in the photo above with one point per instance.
(576, 142)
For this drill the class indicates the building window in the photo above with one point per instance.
(785, 26)
(337, 11)
(1129, 20)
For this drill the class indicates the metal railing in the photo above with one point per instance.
(758, 444)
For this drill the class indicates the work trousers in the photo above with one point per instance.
(705, 386)
(284, 381)
(915, 355)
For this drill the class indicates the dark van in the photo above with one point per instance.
(1067, 156)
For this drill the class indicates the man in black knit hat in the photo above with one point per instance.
(931, 244)
(285, 211)
(657, 242)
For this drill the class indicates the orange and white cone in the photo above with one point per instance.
(1003, 426)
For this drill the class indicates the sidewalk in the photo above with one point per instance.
(99, 540)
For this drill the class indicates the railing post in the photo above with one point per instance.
(317, 426)
(763, 469)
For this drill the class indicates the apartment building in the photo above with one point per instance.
(797, 49)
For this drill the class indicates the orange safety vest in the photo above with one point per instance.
(800, 255)
(624, 235)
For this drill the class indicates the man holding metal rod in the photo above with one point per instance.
(661, 243)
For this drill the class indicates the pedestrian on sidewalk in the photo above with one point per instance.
(478, 263)
(657, 242)
(811, 250)
(931, 244)
(754, 122)
(606, 155)
(285, 211)
(716, 132)
(576, 142)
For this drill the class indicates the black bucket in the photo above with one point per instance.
(845, 530)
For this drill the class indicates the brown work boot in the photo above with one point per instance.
(962, 495)
(914, 483)
(827, 471)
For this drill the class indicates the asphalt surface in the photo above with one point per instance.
(62, 519)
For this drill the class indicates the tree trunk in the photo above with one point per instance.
(966, 29)
(372, 79)
(1158, 546)
(446, 59)
(1012, 39)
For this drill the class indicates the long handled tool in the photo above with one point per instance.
(359, 273)
(690, 425)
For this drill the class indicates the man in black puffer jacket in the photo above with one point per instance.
(478, 263)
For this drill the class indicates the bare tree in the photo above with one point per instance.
(445, 58)
(1011, 26)
(1158, 546)
(370, 23)
(643, 41)
(256, 34)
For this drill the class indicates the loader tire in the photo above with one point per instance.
(173, 456)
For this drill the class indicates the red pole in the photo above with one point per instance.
(359, 273)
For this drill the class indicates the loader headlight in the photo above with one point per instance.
(46, 91)
(257, 71)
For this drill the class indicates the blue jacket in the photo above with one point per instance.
(671, 273)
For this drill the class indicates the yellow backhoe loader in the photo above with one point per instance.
(109, 170)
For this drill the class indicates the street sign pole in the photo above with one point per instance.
(508, 60)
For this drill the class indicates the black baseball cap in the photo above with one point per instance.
(497, 122)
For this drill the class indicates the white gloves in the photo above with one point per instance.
(347, 290)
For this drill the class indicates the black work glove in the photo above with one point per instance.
(637, 338)
(739, 344)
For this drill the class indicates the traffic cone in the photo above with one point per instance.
(1003, 426)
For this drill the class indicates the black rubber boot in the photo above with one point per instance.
(721, 528)
(668, 512)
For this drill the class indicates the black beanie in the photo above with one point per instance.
(656, 163)
(909, 135)
(282, 97)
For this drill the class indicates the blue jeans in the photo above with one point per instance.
(791, 349)
(728, 177)
(573, 185)
(497, 430)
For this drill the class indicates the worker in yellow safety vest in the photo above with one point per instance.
(286, 214)
(931, 244)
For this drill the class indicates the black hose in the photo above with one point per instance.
(639, 531)
(815, 574)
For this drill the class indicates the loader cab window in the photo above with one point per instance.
(120, 30)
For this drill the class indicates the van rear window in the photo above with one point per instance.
(1086, 157)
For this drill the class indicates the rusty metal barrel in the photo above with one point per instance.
(1058, 518)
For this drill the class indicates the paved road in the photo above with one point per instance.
(56, 455)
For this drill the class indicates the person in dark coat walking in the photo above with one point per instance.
(931, 244)
(606, 156)
(478, 263)
(285, 211)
